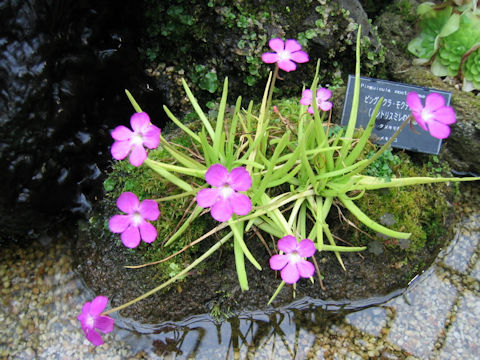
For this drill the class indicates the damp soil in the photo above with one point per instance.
(213, 288)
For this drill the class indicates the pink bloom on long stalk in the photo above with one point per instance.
(286, 54)
(292, 263)
(92, 320)
(322, 97)
(224, 198)
(132, 142)
(133, 225)
(435, 117)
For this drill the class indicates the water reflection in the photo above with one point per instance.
(285, 333)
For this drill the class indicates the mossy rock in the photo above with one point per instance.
(213, 287)
(206, 41)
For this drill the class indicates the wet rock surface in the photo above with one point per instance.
(63, 70)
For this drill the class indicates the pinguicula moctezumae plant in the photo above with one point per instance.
(284, 185)
(449, 40)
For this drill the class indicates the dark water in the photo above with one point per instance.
(64, 66)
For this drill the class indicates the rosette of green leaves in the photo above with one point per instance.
(471, 70)
(455, 46)
(434, 24)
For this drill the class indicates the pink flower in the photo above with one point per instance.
(223, 199)
(322, 96)
(133, 225)
(434, 117)
(133, 142)
(287, 53)
(292, 264)
(91, 319)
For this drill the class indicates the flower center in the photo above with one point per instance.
(137, 139)
(136, 218)
(90, 321)
(294, 257)
(226, 191)
(283, 55)
(426, 115)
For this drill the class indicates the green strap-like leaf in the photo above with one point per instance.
(133, 102)
(167, 175)
(371, 223)
(198, 110)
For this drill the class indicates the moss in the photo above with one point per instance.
(422, 210)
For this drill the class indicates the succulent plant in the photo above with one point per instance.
(449, 40)
(431, 23)
(471, 69)
(454, 46)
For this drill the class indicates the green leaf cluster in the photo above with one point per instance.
(449, 40)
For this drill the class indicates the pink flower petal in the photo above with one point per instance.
(438, 130)
(326, 105)
(278, 262)
(240, 203)
(277, 44)
(207, 197)
(122, 133)
(287, 65)
(299, 57)
(98, 304)
(310, 109)
(306, 97)
(414, 102)
(140, 122)
(269, 58)
(120, 149)
(85, 311)
(149, 210)
(445, 115)
(138, 155)
(148, 233)
(128, 202)
(419, 120)
(290, 274)
(305, 268)
(104, 324)
(240, 179)
(94, 337)
(151, 138)
(131, 237)
(323, 94)
(306, 248)
(292, 45)
(305, 101)
(287, 244)
(222, 210)
(216, 175)
(434, 101)
(118, 223)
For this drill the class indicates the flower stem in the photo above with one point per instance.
(272, 86)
